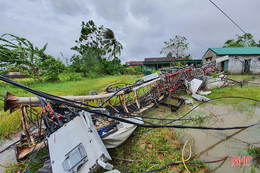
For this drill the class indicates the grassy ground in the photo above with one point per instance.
(244, 77)
(235, 90)
(153, 149)
(10, 123)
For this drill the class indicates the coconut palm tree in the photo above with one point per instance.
(112, 46)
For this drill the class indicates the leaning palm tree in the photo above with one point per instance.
(111, 45)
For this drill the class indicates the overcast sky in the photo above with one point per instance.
(141, 26)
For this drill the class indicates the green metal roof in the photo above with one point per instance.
(237, 50)
(168, 62)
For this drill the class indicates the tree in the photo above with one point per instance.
(90, 38)
(176, 47)
(112, 46)
(20, 54)
(95, 43)
(246, 40)
(86, 63)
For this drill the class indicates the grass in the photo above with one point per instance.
(10, 123)
(244, 77)
(153, 150)
(248, 91)
(254, 152)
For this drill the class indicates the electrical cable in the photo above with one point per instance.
(178, 163)
(30, 118)
(3, 166)
(52, 112)
(53, 98)
(9, 146)
(115, 93)
(165, 119)
(224, 97)
(35, 91)
(32, 159)
(228, 17)
(45, 117)
(29, 169)
(182, 156)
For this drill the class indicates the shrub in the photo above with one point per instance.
(70, 77)
(137, 70)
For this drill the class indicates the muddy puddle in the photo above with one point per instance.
(212, 145)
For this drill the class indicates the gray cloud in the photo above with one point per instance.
(68, 7)
(141, 26)
(112, 10)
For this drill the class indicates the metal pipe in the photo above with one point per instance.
(12, 101)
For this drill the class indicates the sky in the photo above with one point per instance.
(141, 26)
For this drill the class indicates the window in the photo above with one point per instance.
(209, 59)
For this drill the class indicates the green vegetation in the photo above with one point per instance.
(244, 77)
(97, 50)
(236, 91)
(137, 70)
(176, 47)
(153, 149)
(246, 40)
(254, 152)
(19, 54)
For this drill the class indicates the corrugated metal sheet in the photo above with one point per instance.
(135, 63)
(163, 59)
(236, 51)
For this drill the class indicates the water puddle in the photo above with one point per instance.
(7, 154)
(213, 145)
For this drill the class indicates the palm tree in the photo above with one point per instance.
(112, 46)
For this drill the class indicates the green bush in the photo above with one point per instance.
(137, 70)
(214, 74)
(92, 75)
(70, 77)
(156, 71)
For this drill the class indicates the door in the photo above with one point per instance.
(247, 66)
(226, 66)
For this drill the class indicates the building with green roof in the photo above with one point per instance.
(159, 62)
(234, 59)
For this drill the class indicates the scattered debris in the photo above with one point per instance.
(99, 126)
(213, 82)
(201, 98)
(188, 101)
(204, 92)
(174, 108)
(124, 130)
(46, 167)
(194, 85)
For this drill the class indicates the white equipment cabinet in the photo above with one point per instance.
(77, 147)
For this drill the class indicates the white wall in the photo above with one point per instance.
(235, 65)
(255, 65)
